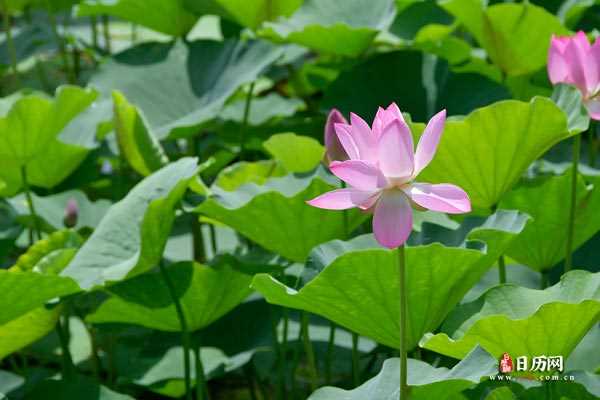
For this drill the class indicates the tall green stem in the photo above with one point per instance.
(573, 204)
(106, 33)
(201, 387)
(355, 361)
(244, 126)
(36, 224)
(62, 330)
(403, 328)
(310, 355)
(94, 26)
(330, 350)
(185, 333)
(61, 43)
(12, 52)
(501, 269)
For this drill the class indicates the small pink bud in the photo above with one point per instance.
(71, 213)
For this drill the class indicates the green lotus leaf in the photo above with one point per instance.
(426, 382)
(262, 110)
(131, 237)
(296, 153)
(258, 172)
(359, 289)
(137, 144)
(196, 78)
(345, 27)
(569, 99)
(543, 243)
(515, 36)
(502, 139)
(553, 320)
(29, 137)
(169, 17)
(145, 300)
(276, 216)
(248, 14)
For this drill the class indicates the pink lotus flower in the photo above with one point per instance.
(380, 170)
(574, 61)
(335, 150)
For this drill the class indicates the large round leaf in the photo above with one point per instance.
(523, 322)
(146, 300)
(132, 235)
(515, 36)
(168, 17)
(345, 27)
(359, 289)
(29, 137)
(543, 243)
(426, 382)
(183, 84)
(487, 152)
(276, 216)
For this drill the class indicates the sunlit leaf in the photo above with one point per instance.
(553, 320)
(345, 27)
(543, 242)
(146, 301)
(250, 14)
(168, 17)
(487, 152)
(437, 278)
(137, 144)
(296, 153)
(131, 237)
(426, 382)
(182, 85)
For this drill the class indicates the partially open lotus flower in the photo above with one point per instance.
(574, 61)
(380, 171)
(334, 149)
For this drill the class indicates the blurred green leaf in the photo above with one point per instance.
(276, 216)
(29, 137)
(137, 144)
(131, 237)
(181, 85)
(344, 27)
(169, 17)
(296, 153)
(244, 172)
(437, 279)
(553, 320)
(515, 36)
(78, 387)
(249, 14)
(487, 152)
(569, 99)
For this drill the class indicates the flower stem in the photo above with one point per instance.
(61, 43)
(36, 225)
(62, 330)
(501, 269)
(106, 33)
(573, 201)
(94, 26)
(185, 333)
(244, 126)
(355, 361)
(201, 387)
(403, 311)
(330, 349)
(310, 355)
(12, 52)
